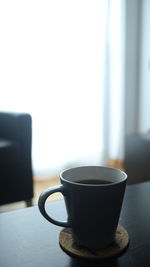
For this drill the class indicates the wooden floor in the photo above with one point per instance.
(39, 186)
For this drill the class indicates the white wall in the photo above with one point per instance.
(144, 114)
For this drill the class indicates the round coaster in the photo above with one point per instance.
(116, 248)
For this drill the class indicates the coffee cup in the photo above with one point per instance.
(93, 197)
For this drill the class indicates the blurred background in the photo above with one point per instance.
(81, 70)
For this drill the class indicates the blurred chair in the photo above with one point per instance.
(16, 179)
(137, 158)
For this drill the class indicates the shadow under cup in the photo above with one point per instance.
(93, 197)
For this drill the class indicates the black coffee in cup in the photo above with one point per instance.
(93, 181)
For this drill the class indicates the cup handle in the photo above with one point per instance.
(41, 204)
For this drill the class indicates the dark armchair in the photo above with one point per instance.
(16, 180)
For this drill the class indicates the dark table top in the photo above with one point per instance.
(28, 240)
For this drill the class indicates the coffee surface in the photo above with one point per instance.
(93, 181)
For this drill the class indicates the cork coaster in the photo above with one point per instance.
(115, 249)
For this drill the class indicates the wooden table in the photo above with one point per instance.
(28, 240)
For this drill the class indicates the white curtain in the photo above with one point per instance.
(114, 85)
(63, 62)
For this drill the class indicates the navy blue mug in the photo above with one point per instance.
(93, 197)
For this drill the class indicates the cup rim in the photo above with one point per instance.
(124, 174)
